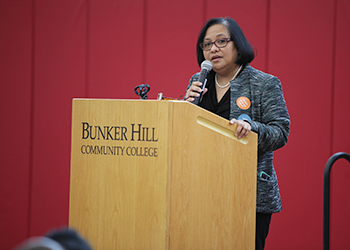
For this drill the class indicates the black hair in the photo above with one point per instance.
(70, 239)
(245, 50)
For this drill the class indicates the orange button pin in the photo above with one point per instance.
(243, 102)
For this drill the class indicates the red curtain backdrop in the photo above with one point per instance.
(54, 51)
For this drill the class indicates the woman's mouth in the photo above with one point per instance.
(215, 58)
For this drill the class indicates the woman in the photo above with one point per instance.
(249, 98)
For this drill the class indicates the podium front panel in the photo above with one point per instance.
(119, 173)
(160, 175)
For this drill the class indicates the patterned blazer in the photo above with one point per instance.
(267, 113)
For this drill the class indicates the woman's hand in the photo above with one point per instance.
(194, 91)
(243, 128)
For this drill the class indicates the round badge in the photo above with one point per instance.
(243, 103)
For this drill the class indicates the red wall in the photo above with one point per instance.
(53, 51)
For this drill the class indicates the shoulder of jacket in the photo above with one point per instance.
(259, 76)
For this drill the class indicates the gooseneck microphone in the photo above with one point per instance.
(206, 66)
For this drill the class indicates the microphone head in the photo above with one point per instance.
(206, 65)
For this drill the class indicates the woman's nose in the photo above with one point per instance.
(214, 48)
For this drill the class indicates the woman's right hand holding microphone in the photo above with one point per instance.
(194, 91)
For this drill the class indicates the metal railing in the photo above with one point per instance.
(326, 192)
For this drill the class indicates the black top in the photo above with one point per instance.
(209, 100)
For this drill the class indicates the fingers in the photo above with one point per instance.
(194, 91)
(243, 128)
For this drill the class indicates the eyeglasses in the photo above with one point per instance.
(220, 43)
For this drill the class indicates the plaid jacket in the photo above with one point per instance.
(269, 118)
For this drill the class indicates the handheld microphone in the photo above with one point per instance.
(206, 66)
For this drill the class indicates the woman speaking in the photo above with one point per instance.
(247, 97)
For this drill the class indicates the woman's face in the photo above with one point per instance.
(223, 59)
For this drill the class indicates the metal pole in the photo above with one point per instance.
(326, 192)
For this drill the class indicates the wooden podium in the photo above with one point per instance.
(160, 175)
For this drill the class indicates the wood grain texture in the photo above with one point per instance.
(120, 201)
(213, 184)
(197, 192)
